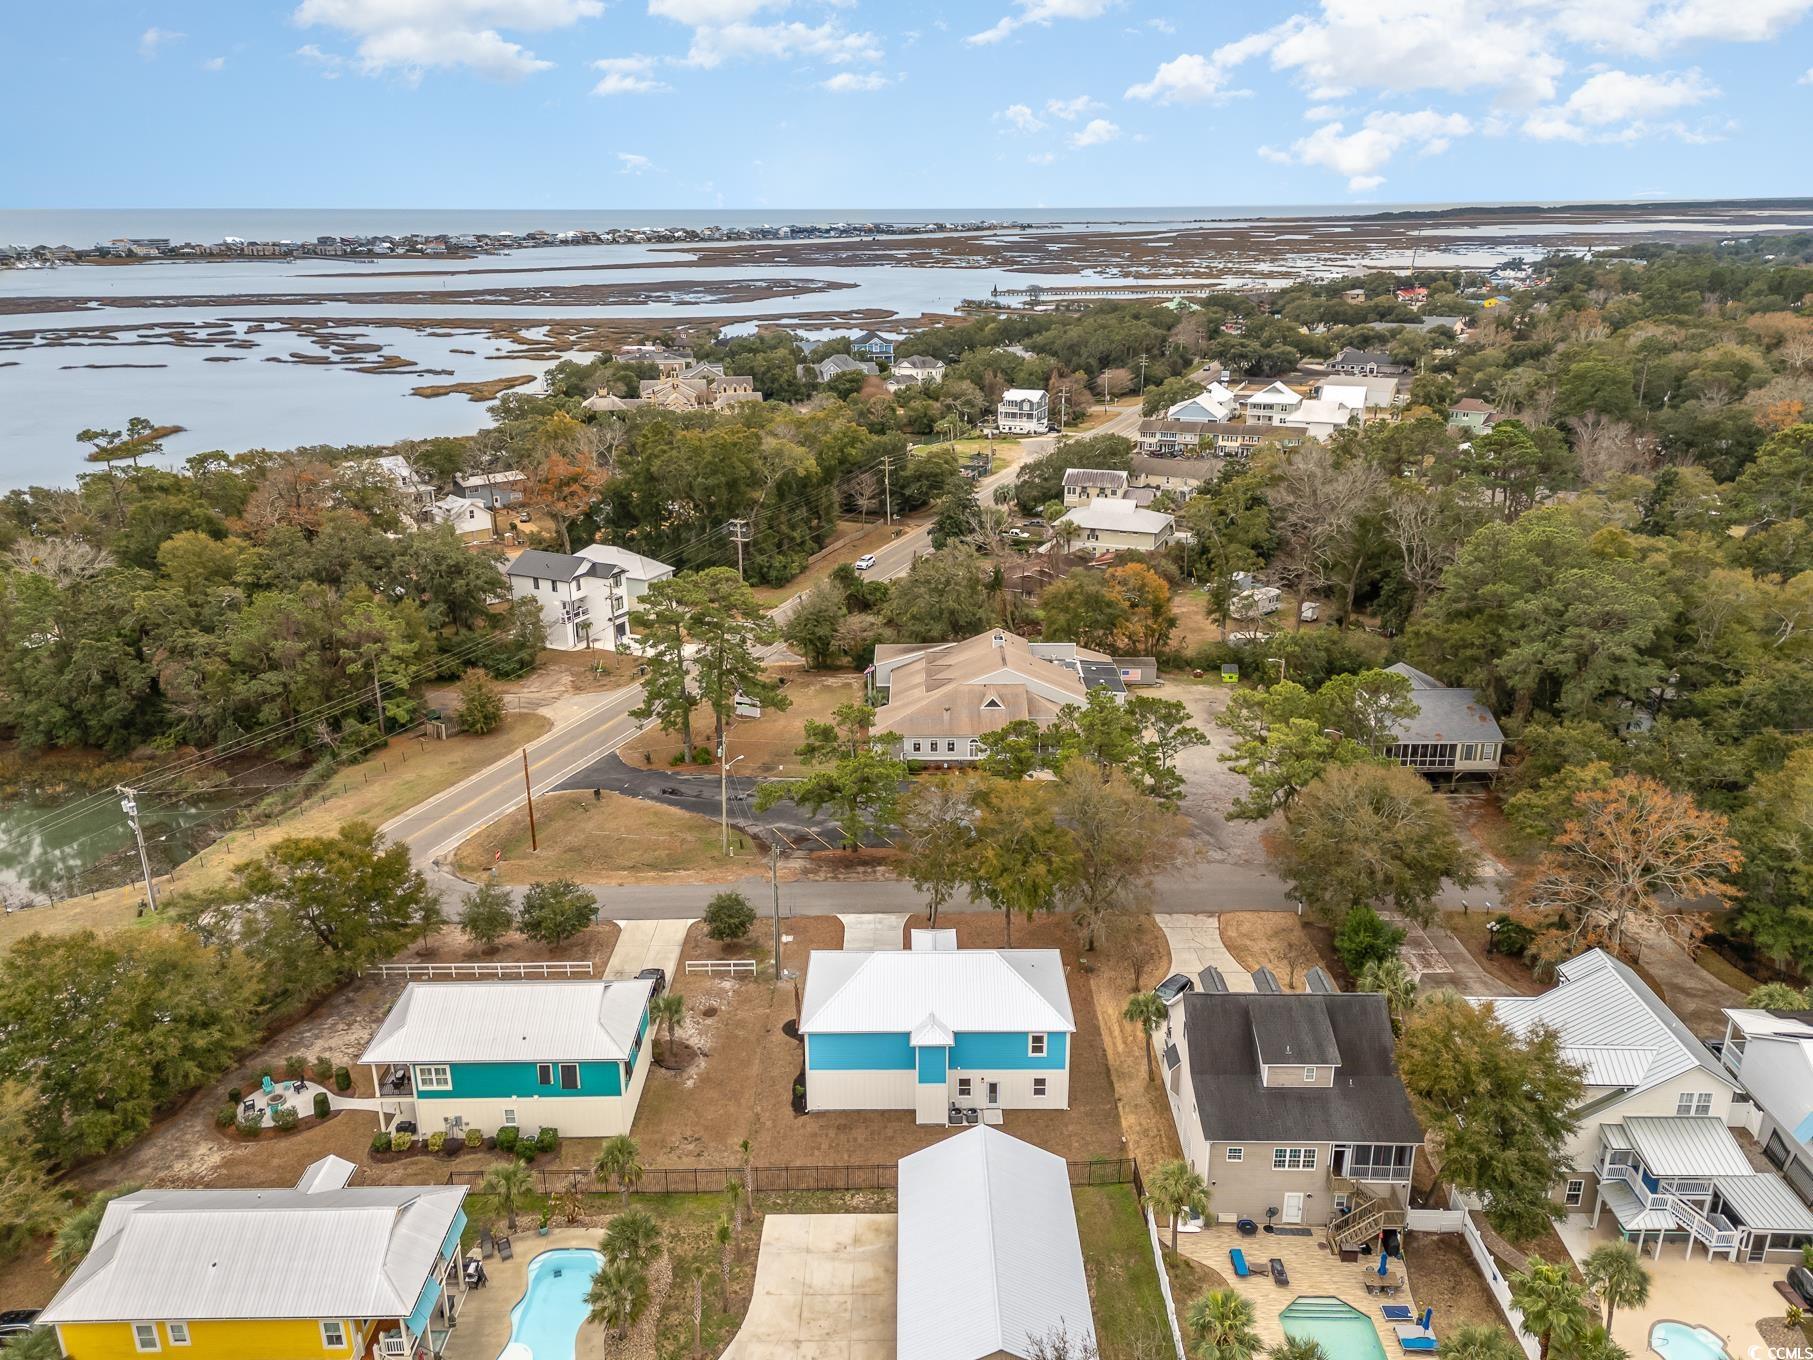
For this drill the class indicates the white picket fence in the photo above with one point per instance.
(1435, 1220)
(733, 967)
(431, 972)
(1164, 1282)
(1495, 1281)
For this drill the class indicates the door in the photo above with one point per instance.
(1338, 1163)
(994, 1092)
(1293, 1207)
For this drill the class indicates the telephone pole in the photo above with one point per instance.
(887, 485)
(774, 884)
(739, 534)
(724, 790)
(529, 797)
(1142, 375)
(129, 805)
(1063, 407)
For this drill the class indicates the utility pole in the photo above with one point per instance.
(129, 805)
(377, 694)
(887, 485)
(774, 884)
(739, 534)
(1142, 375)
(529, 796)
(724, 790)
(1063, 407)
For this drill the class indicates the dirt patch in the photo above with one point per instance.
(1210, 786)
(610, 839)
(1278, 940)
(1442, 1272)
(1470, 929)
(766, 744)
(1130, 959)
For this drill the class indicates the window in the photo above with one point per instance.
(333, 1336)
(144, 1336)
(1035, 1045)
(1693, 1102)
(950, 747)
(1236, 1154)
(509, 1116)
(1309, 1075)
(434, 1077)
(1575, 1192)
(1038, 1088)
(1469, 751)
(179, 1333)
(1294, 1159)
(975, 748)
(569, 1076)
(916, 746)
(544, 1074)
(963, 1086)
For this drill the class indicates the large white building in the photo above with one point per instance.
(586, 597)
(1107, 522)
(1023, 410)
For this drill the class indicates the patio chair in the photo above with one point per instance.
(504, 1250)
(1397, 1312)
(267, 1085)
(1279, 1276)
(1238, 1258)
(485, 1246)
(1416, 1339)
(248, 1106)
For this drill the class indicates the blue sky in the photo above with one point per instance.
(857, 103)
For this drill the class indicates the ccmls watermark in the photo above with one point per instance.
(1762, 1352)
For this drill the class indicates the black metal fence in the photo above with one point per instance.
(709, 1180)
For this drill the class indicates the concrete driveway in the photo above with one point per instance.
(874, 930)
(648, 944)
(1196, 944)
(824, 1290)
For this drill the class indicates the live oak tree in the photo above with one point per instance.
(487, 915)
(554, 911)
(1021, 859)
(1285, 735)
(668, 692)
(1121, 840)
(936, 830)
(1497, 1107)
(29, 1203)
(858, 782)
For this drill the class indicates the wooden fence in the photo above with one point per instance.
(709, 1180)
(557, 968)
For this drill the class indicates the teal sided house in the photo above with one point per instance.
(933, 1027)
(490, 1055)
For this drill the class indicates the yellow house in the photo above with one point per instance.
(324, 1271)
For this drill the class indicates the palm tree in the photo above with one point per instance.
(1390, 977)
(1553, 1304)
(631, 1236)
(618, 1161)
(75, 1236)
(1616, 1274)
(618, 1295)
(1597, 1344)
(1220, 1326)
(668, 1010)
(1174, 1187)
(748, 1153)
(1146, 1010)
(511, 1184)
(1481, 1341)
(724, 1235)
(1296, 1348)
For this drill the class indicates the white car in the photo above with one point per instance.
(864, 562)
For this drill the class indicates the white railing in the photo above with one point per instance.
(1713, 1231)
(734, 967)
(396, 1343)
(430, 971)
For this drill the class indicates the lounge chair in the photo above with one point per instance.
(1279, 1277)
(1416, 1339)
(504, 1250)
(485, 1246)
(1397, 1312)
(1238, 1258)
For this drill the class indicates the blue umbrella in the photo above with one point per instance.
(1384, 1261)
(1428, 1323)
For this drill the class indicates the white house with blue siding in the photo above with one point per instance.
(927, 1028)
(525, 1054)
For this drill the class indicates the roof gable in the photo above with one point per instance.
(967, 991)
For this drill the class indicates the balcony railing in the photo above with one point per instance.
(1714, 1231)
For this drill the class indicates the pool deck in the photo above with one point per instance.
(484, 1323)
(1312, 1271)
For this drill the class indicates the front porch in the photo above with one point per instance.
(424, 1334)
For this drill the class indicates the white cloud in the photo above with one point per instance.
(627, 75)
(214, 64)
(633, 164)
(1072, 109)
(1417, 45)
(711, 13)
(1041, 158)
(1161, 25)
(1807, 79)
(1096, 132)
(1363, 152)
(1192, 77)
(1040, 12)
(827, 42)
(1324, 113)
(1020, 118)
(412, 36)
(154, 38)
(330, 64)
(1619, 106)
(849, 82)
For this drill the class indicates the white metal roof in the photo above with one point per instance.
(1032, 394)
(1686, 1145)
(1611, 1024)
(329, 1252)
(989, 1256)
(968, 991)
(1632, 1214)
(444, 1022)
(634, 564)
(1105, 512)
(1764, 1203)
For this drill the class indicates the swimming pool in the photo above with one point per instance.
(544, 1325)
(1684, 1341)
(1343, 1331)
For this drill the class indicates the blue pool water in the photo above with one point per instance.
(545, 1322)
(1681, 1341)
(1343, 1332)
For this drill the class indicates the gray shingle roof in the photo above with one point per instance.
(1444, 713)
(555, 566)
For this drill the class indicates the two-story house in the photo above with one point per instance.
(1023, 410)
(1274, 404)
(1290, 1106)
(585, 597)
(531, 1054)
(1086, 484)
(918, 368)
(936, 1028)
(1371, 362)
(873, 345)
(492, 488)
(1107, 522)
(471, 520)
(324, 1271)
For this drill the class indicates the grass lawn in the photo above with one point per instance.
(766, 744)
(1470, 929)
(1277, 940)
(1123, 1279)
(384, 784)
(1725, 970)
(613, 839)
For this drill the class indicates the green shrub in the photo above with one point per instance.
(380, 1141)
(701, 755)
(295, 1067)
(401, 1141)
(548, 1140)
(474, 1139)
(1365, 937)
(251, 1125)
(235, 1095)
(321, 1071)
(436, 1141)
(285, 1118)
(343, 1080)
(728, 916)
(323, 1106)
(678, 758)
(507, 1138)
(1511, 937)
(226, 1116)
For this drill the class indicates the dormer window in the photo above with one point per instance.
(991, 702)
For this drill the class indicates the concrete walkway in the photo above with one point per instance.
(1196, 944)
(824, 1290)
(874, 930)
(1690, 991)
(647, 944)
